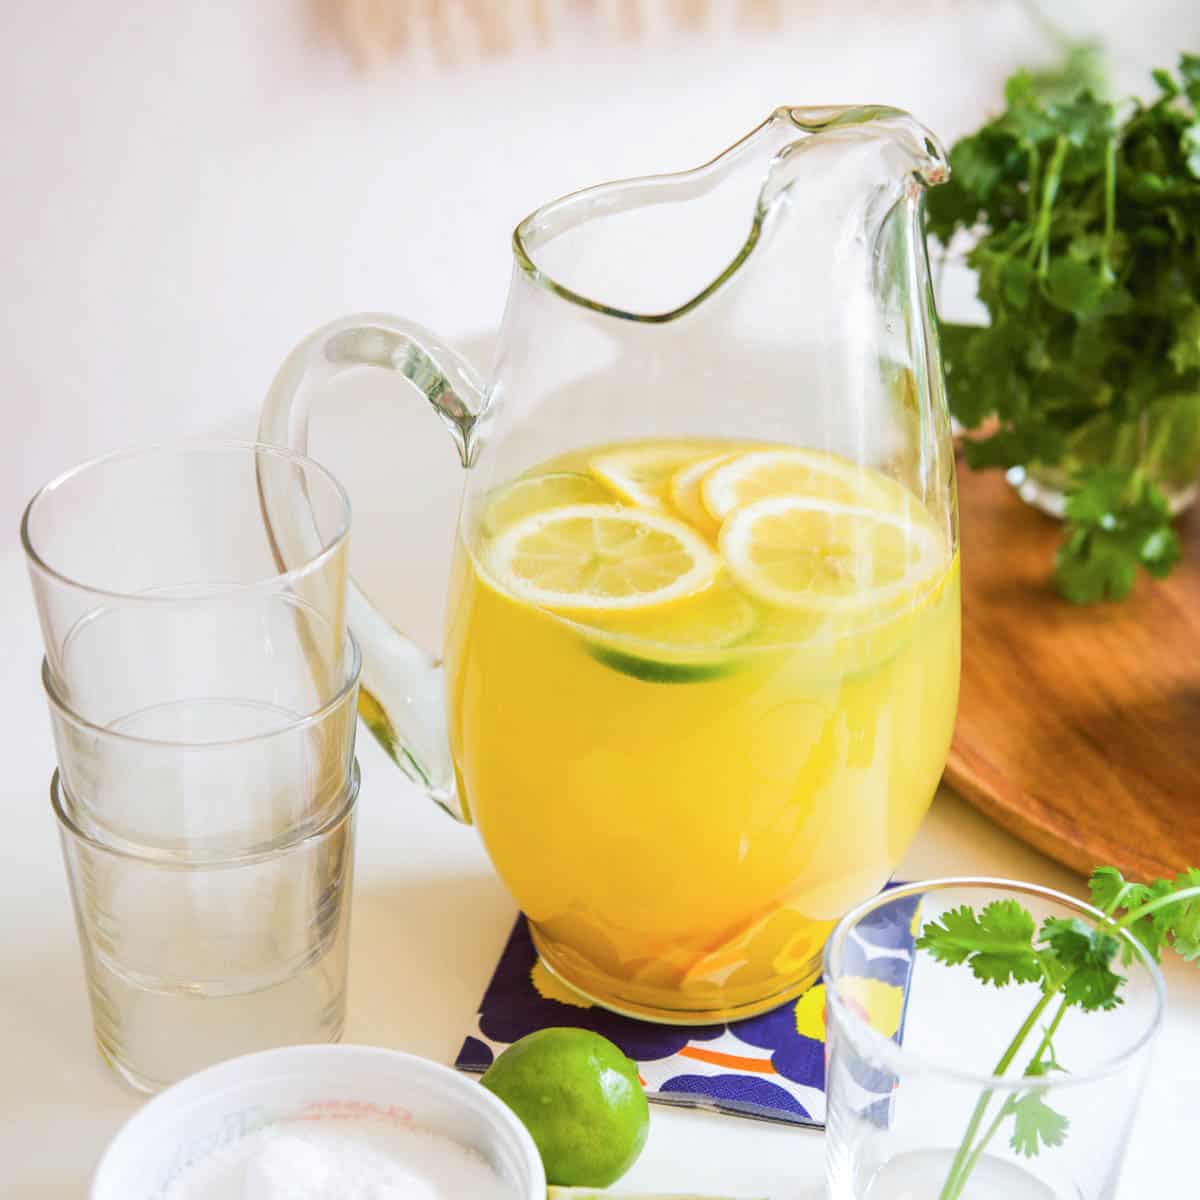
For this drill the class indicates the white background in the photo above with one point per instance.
(188, 188)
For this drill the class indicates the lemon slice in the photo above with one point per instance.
(601, 558)
(684, 493)
(763, 473)
(642, 474)
(811, 553)
(510, 503)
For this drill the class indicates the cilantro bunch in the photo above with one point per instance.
(1075, 965)
(1086, 227)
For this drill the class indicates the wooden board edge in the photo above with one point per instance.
(1080, 855)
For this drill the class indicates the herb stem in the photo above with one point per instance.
(1048, 1037)
(1151, 451)
(1031, 193)
(976, 1154)
(960, 1168)
(1007, 1107)
(1151, 906)
(1110, 208)
(1040, 248)
(1118, 899)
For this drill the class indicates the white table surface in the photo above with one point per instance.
(186, 190)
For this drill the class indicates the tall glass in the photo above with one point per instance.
(169, 608)
(920, 1103)
(702, 651)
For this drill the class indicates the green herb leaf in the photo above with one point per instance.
(1189, 142)
(1175, 924)
(1075, 286)
(1165, 81)
(1180, 923)
(1189, 68)
(1037, 1124)
(1185, 346)
(997, 944)
(1084, 953)
(1110, 890)
(1116, 520)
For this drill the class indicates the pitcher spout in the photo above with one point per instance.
(917, 153)
(654, 249)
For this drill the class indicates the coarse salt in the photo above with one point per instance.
(362, 1159)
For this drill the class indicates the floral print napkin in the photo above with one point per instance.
(771, 1066)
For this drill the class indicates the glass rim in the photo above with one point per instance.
(353, 677)
(905, 1057)
(329, 547)
(299, 837)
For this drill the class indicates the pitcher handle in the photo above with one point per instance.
(401, 694)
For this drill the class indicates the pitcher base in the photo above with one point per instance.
(629, 1006)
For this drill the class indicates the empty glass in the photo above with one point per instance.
(169, 609)
(194, 958)
(918, 1103)
(186, 793)
(202, 691)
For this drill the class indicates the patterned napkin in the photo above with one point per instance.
(771, 1067)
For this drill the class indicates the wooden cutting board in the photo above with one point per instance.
(1078, 728)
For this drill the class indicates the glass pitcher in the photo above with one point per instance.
(702, 646)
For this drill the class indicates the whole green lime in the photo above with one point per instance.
(581, 1101)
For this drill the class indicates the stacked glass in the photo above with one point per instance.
(202, 688)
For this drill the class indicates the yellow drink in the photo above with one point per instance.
(687, 769)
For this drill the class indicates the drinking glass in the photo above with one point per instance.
(195, 957)
(184, 791)
(169, 609)
(918, 1102)
(202, 689)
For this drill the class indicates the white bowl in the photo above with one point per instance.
(209, 1110)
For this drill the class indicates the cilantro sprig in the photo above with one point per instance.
(1085, 217)
(1075, 965)
(1116, 521)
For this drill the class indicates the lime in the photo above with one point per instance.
(685, 642)
(581, 1101)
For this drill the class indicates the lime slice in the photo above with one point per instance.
(687, 642)
(601, 558)
(642, 474)
(812, 553)
(536, 493)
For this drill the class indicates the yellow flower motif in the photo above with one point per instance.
(551, 988)
(810, 1013)
(881, 1002)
